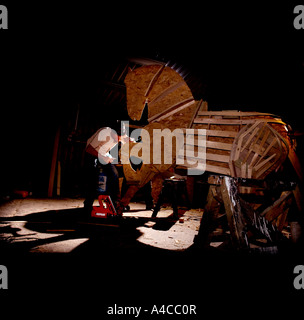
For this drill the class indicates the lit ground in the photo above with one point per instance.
(50, 248)
(60, 226)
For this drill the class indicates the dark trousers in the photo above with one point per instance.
(93, 169)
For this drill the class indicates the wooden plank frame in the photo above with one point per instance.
(256, 149)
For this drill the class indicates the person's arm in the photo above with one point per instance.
(106, 157)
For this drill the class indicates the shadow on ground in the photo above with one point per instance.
(102, 234)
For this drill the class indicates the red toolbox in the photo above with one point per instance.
(105, 209)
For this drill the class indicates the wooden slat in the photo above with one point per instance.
(211, 144)
(221, 133)
(218, 145)
(133, 126)
(270, 210)
(199, 104)
(263, 166)
(260, 149)
(221, 121)
(274, 140)
(183, 106)
(277, 212)
(210, 156)
(217, 157)
(244, 170)
(166, 92)
(210, 168)
(217, 169)
(251, 137)
(241, 136)
(215, 133)
(211, 133)
(198, 120)
(254, 147)
(234, 113)
(154, 79)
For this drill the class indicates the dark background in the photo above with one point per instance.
(247, 57)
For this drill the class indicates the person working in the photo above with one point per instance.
(102, 154)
